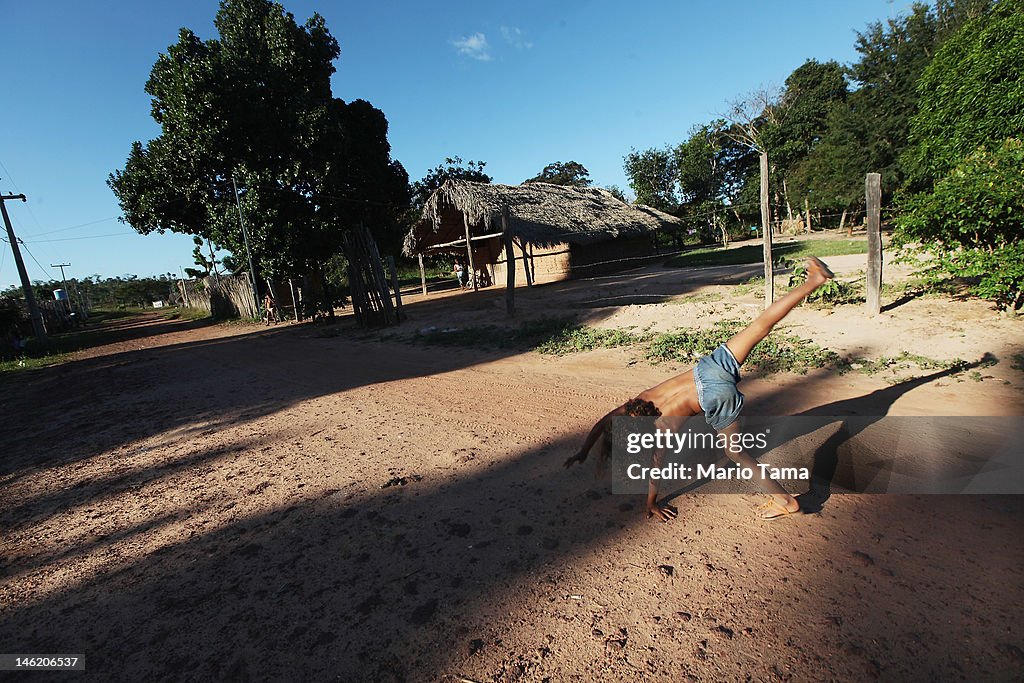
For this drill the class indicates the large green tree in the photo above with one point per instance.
(869, 130)
(453, 168)
(811, 93)
(254, 107)
(968, 156)
(971, 94)
(712, 170)
(652, 175)
(563, 173)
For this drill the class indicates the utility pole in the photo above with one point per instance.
(67, 292)
(213, 261)
(26, 286)
(248, 252)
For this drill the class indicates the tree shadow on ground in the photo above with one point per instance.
(349, 583)
(77, 409)
(378, 584)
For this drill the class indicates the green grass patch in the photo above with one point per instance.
(902, 361)
(702, 298)
(1017, 362)
(575, 339)
(780, 352)
(185, 314)
(554, 336)
(31, 363)
(754, 253)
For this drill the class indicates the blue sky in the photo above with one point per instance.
(518, 85)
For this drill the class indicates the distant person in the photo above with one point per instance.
(460, 274)
(269, 309)
(710, 387)
(17, 341)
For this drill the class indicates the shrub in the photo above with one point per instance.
(973, 221)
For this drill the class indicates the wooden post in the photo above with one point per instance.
(277, 306)
(807, 212)
(469, 252)
(423, 275)
(377, 271)
(873, 192)
(295, 301)
(766, 231)
(394, 285)
(510, 267)
(526, 264)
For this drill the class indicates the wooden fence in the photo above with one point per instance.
(222, 297)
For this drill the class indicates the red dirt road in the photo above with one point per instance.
(206, 503)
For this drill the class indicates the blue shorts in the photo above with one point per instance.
(716, 377)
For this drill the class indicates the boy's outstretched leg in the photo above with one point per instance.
(747, 338)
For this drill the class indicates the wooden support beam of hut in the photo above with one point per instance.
(469, 253)
(510, 266)
(394, 285)
(460, 242)
(526, 263)
(423, 275)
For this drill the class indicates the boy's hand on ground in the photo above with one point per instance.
(579, 457)
(661, 513)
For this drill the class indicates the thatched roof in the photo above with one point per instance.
(538, 213)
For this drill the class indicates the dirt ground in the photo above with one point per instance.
(235, 502)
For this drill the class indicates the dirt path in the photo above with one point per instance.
(206, 503)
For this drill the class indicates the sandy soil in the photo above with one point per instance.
(234, 502)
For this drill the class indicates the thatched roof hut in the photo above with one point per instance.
(560, 231)
(537, 213)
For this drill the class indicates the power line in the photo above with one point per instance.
(80, 225)
(86, 237)
(27, 206)
(45, 273)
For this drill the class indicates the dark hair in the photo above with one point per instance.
(636, 407)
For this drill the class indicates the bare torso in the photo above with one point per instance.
(676, 396)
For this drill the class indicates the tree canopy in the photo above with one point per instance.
(831, 124)
(652, 177)
(453, 168)
(972, 92)
(254, 107)
(968, 157)
(563, 173)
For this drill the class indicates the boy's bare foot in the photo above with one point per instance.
(817, 271)
(774, 509)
